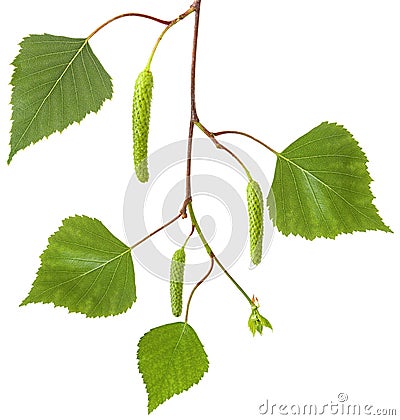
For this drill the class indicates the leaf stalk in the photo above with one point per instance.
(196, 286)
(156, 231)
(220, 146)
(241, 133)
(164, 22)
(169, 26)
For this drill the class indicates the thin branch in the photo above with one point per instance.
(220, 146)
(212, 255)
(233, 280)
(170, 25)
(164, 22)
(199, 231)
(188, 188)
(156, 231)
(241, 133)
(193, 111)
(194, 117)
(194, 120)
(196, 286)
(189, 236)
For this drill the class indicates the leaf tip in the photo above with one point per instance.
(24, 302)
(10, 157)
(387, 229)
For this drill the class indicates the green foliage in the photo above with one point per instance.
(177, 270)
(56, 82)
(255, 208)
(141, 122)
(257, 322)
(321, 186)
(86, 269)
(171, 359)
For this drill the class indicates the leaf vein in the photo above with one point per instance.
(318, 171)
(337, 193)
(329, 155)
(35, 57)
(125, 282)
(108, 286)
(336, 208)
(90, 286)
(283, 195)
(298, 198)
(162, 380)
(88, 79)
(81, 275)
(317, 202)
(113, 242)
(87, 50)
(86, 246)
(315, 140)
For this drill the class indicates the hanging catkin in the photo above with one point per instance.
(141, 121)
(256, 220)
(176, 280)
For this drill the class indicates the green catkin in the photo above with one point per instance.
(176, 280)
(255, 209)
(141, 121)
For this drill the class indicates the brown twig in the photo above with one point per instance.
(220, 146)
(156, 231)
(164, 22)
(193, 111)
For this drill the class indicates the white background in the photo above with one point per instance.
(275, 69)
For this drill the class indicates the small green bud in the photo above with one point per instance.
(257, 322)
(176, 280)
(141, 122)
(255, 208)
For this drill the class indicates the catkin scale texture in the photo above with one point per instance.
(176, 281)
(255, 209)
(142, 97)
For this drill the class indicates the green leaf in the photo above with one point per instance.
(321, 186)
(56, 82)
(171, 360)
(86, 269)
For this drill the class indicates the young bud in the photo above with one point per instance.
(257, 322)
